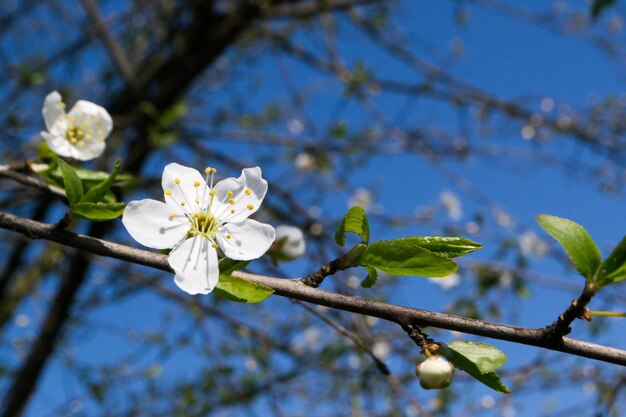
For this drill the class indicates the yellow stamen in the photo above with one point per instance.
(250, 206)
(214, 246)
(207, 170)
(168, 192)
(182, 204)
(172, 216)
(228, 236)
(177, 181)
(196, 184)
(232, 211)
(62, 105)
(212, 193)
(247, 191)
(229, 193)
(231, 201)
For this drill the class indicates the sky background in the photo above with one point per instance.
(508, 58)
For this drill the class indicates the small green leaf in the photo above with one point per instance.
(450, 247)
(613, 269)
(99, 211)
(576, 241)
(98, 192)
(71, 182)
(371, 278)
(406, 257)
(228, 266)
(241, 290)
(355, 221)
(480, 360)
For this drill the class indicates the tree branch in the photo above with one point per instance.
(295, 289)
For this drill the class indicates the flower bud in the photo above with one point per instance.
(435, 372)
(289, 244)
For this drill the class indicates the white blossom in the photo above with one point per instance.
(451, 204)
(532, 245)
(447, 282)
(79, 134)
(290, 242)
(197, 218)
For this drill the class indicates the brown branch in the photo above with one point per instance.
(293, 288)
(577, 309)
(31, 181)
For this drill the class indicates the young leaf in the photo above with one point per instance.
(371, 278)
(355, 221)
(406, 257)
(240, 290)
(450, 247)
(228, 266)
(73, 186)
(576, 241)
(480, 360)
(613, 269)
(99, 211)
(97, 193)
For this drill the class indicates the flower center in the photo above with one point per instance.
(203, 223)
(76, 135)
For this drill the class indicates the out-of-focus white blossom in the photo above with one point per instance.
(289, 243)
(447, 282)
(532, 245)
(451, 204)
(304, 161)
(362, 197)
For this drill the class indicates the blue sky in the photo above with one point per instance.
(508, 59)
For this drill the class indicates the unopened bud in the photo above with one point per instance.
(435, 372)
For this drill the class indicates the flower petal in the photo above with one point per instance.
(244, 203)
(248, 239)
(95, 119)
(184, 194)
(90, 150)
(52, 109)
(58, 144)
(149, 223)
(196, 266)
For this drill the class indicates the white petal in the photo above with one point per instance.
(196, 266)
(52, 109)
(244, 204)
(149, 223)
(58, 144)
(90, 150)
(94, 119)
(248, 239)
(185, 193)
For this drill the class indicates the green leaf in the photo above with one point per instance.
(450, 247)
(71, 182)
(576, 241)
(371, 279)
(99, 211)
(98, 192)
(228, 266)
(480, 360)
(406, 257)
(355, 221)
(241, 290)
(613, 269)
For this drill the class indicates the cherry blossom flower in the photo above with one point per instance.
(79, 134)
(197, 218)
(289, 244)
